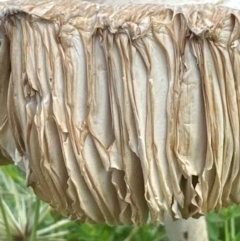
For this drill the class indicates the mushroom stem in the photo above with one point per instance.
(190, 229)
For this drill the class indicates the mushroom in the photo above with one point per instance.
(115, 112)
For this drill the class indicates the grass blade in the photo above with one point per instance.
(5, 220)
(35, 224)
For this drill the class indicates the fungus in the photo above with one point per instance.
(115, 112)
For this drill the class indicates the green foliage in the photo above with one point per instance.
(89, 232)
(21, 223)
(224, 224)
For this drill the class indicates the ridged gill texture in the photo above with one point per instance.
(116, 112)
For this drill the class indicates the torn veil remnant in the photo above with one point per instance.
(118, 111)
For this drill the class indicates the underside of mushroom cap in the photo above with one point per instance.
(116, 112)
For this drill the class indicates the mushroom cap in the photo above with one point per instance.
(115, 112)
